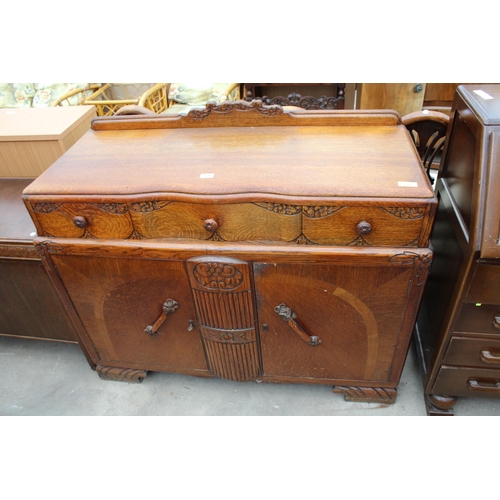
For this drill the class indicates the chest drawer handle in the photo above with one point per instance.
(474, 385)
(80, 222)
(363, 228)
(496, 322)
(211, 225)
(487, 357)
(286, 314)
(169, 307)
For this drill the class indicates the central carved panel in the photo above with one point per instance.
(224, 305)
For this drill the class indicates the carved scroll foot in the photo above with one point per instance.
(130, 375)
(442, 405)
(367, 394)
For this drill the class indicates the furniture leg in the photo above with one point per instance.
(130, 375)
(367, 394)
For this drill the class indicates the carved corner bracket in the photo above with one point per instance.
(130, 375)
(367, 394)
(44, 247)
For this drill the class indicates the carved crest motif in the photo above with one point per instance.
(228, 106)
(147, 206)
(405, 212)
(217, 275)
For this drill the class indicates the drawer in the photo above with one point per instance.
(471, 382)
(221, 222)
(480, 353)
(485, 286)
(479, 318)
(364, 225)
(76, 220)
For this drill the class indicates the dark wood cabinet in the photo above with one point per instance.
(250, 244)
(29, 305)
(458, 328)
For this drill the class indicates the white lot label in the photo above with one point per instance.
(407, 184)
(207, 176)
(483, 94)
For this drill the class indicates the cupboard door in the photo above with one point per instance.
(346, 321)
(118, 298)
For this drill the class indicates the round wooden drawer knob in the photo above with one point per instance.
(211, 225)
(364, 228)
(80, 222)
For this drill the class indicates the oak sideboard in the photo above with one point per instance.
(242, 242)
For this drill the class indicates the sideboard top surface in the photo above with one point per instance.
(298, 161)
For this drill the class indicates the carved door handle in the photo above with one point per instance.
(487, 357)
(474, 385)
(169, 307)
(286, 314)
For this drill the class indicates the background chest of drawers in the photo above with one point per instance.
(458, 328)
(242, 242)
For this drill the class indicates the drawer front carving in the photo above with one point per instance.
(472, 382)
(365, 226)
(481, 353)
(233, 222)
(301, 224)
(84, 220)
(223, 298)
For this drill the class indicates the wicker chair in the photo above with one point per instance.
(112, 96)
(428, 131)
(224, 92)
(76, 96)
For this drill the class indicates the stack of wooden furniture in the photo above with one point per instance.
(241, 242)
(31, 139)
(458, 329)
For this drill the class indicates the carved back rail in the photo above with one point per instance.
(245, 114)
